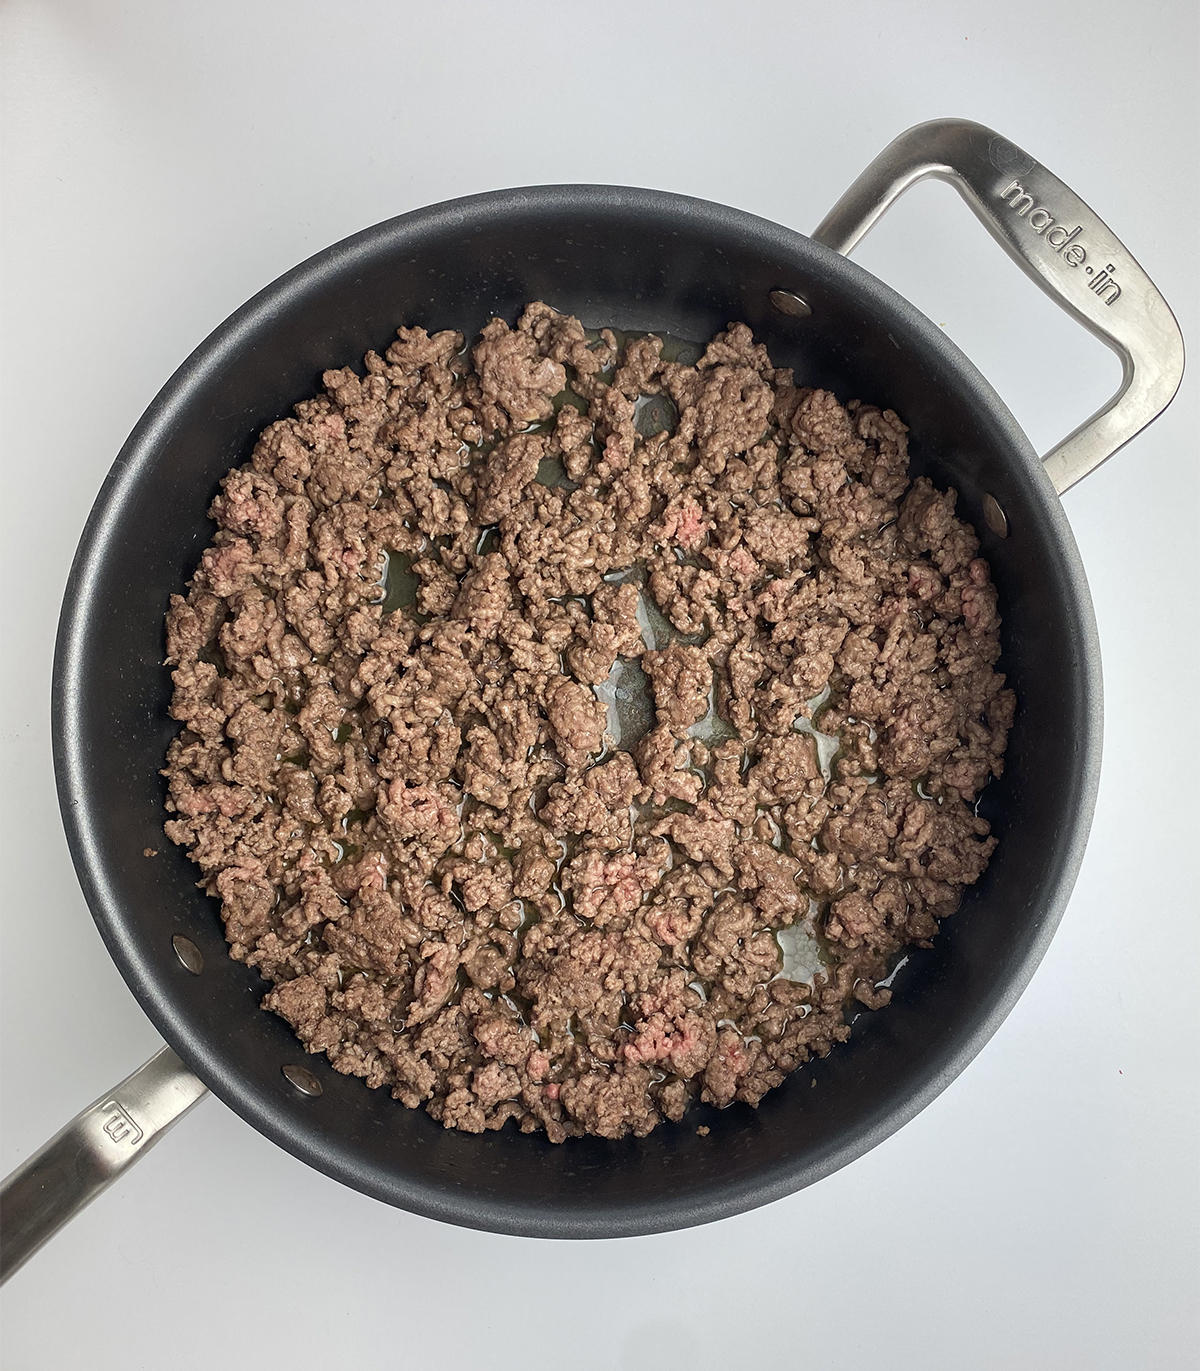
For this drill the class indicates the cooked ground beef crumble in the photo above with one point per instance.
(569, 732)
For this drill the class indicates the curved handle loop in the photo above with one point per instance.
(84, 1158)
(1058, 241)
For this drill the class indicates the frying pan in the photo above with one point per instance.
(636, 260)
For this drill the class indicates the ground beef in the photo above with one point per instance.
(560, 766)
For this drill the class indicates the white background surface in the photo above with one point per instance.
(162, 162)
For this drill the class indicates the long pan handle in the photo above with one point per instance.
(1058, 241)
(86, 1156)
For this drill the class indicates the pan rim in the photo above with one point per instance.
(666, 1212)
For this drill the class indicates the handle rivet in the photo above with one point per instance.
(188, 953)
(789, 303)
(994, 516)
(303, 1079)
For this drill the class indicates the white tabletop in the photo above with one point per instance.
(161, 163)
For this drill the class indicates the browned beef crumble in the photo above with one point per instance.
(556, 768)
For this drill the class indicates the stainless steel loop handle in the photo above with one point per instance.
(85, 1158)
(1061, 244)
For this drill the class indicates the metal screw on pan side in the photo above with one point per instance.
(994, 516)
(303, 1079)
(188, 953)
(789, 303)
